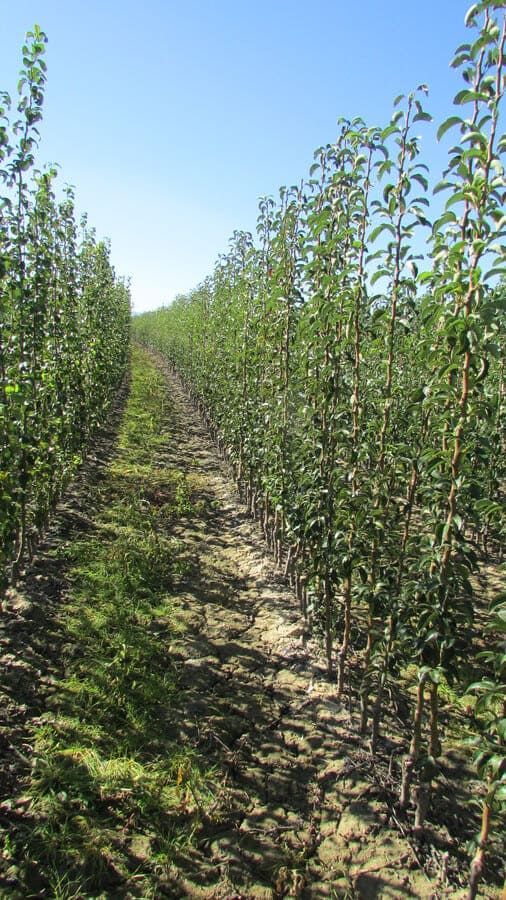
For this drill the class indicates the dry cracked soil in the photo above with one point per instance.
(304, 815)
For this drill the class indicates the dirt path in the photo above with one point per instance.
(301, 814)
(301, 810)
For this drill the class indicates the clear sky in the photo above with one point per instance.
(171, 117)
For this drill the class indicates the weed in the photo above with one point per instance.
(105, 768)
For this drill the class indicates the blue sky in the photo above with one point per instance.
(172, 118)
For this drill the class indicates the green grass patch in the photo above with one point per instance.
(112, 795)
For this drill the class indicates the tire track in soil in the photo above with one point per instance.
(300, 814)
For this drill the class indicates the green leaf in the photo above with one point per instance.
(461, 97)
(442, 186)
(496, 272)
(385, 226)
(380, 273)
(470, 14)
(421, 180)
(445, 219)
(468, 96)
(459, 58)
(390, 129)
(447, 124)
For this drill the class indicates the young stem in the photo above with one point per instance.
(414, 749)
(478, 862)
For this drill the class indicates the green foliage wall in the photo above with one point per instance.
(361, 400)
(64, 325)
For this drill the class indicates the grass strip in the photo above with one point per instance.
(111, 795)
